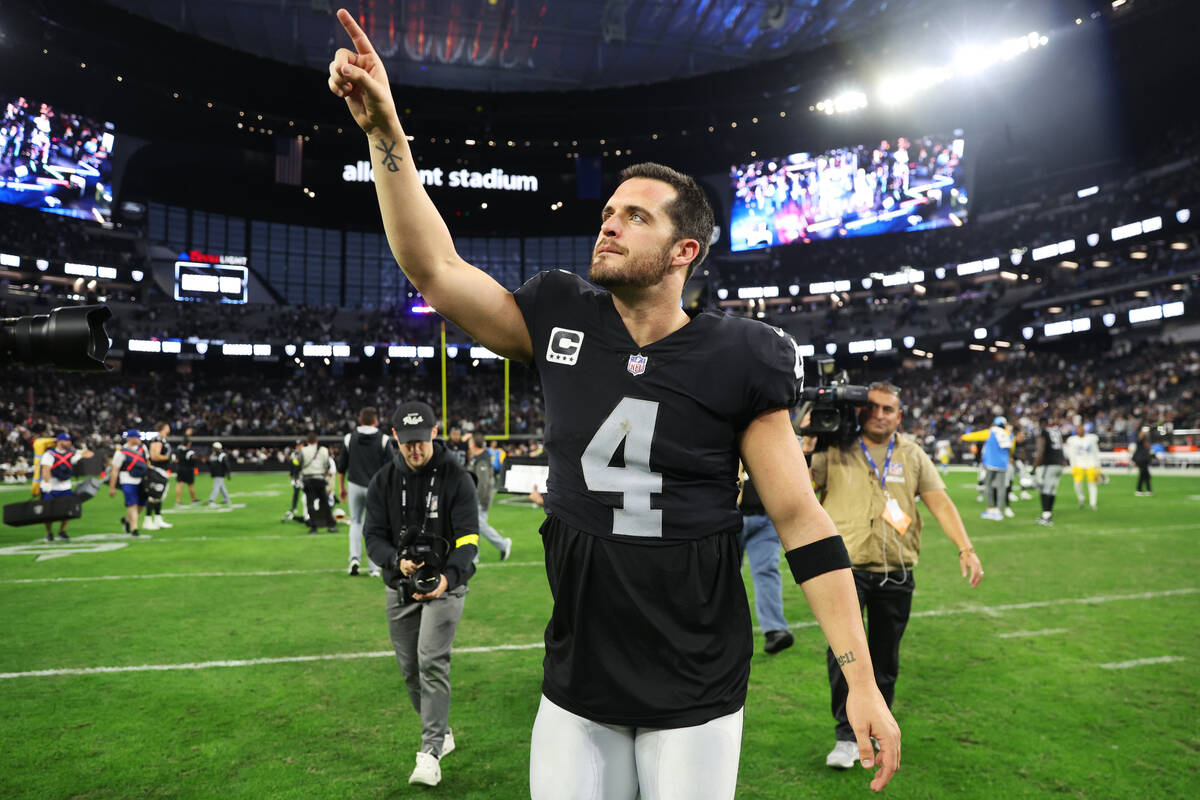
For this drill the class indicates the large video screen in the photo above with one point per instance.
(898, 184)
(55, 160)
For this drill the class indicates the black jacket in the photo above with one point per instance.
(456, 518)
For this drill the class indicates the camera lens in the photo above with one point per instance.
(68, 338)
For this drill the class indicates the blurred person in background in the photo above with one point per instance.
(220, 468)
(57, 468)
(482, 469)
(364, 452)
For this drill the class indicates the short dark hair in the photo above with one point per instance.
(311, 437)
(158, 426)
(369, 415)
(884, 386)
(479, 439)
(690, 212)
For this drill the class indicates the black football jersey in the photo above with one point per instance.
(650, 625)
(1052, 445)
(642, 441)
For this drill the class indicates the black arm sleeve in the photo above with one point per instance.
(377, 528)
(464, 521)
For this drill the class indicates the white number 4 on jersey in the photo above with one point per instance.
(632, 422)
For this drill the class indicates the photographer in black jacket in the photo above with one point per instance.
(422, 527)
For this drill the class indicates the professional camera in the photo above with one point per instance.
(70, 338)
(833, 405)
(428, 550)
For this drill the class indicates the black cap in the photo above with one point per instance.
(413, 421)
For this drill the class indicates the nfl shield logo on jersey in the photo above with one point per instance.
(636, 365)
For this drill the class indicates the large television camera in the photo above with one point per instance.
(831, 407)
(70, 338)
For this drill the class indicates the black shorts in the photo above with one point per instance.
(187, 476)
(648, 633)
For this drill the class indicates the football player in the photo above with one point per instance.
(648, 409)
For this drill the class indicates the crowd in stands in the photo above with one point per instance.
(1153, 384)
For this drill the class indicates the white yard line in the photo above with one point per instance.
(995, 611)
(1023, 634)
(42, 673)
(1141, 662)
(254, 574)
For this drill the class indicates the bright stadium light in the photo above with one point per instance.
(1027, 332)
(1109, 319)
(722, 293)
(369, 350)
(981, 333)
(831, 348)
(1183, 215)
(289, 350)
(909, 341)
(451, 351)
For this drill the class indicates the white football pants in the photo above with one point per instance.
(574, 758)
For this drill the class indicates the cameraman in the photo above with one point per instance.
(424, 500)
(882, 473)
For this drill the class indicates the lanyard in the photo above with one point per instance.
(886, 462)
(428, 500)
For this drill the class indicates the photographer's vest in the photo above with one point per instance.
(61, 469)
(134, 462)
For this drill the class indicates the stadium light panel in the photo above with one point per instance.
(402, 351)
(831, 348)
(482, 353)
(1088, 192)
(1109, 319)
(793, 290)
(1183, 215)
(232, 349)
(289, 350)
(981, 333)
(262, 350)
(43, 265)
(341, 350)
(425, 351)
(1056, 328)
(1145, 314)
(9, 260)
(862, 346)
(1080, 325)
(909, 341)
(1027, 332)
(143, 346)
(1174, 309)
(807, 350)
(452, 351)
(1093, 239)
(721, 294)
(369, 350)
(172, 346)
(201, 347)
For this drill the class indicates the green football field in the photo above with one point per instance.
(231, 656)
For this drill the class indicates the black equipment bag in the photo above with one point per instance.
(42, 509)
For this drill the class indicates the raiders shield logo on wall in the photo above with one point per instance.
(636, 365)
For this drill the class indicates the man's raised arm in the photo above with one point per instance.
(418, 236)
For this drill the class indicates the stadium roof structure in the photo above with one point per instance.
(549, 45)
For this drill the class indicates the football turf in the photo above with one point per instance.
(240, 661)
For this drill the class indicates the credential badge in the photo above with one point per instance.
(637, 364)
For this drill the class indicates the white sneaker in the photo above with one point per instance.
(162, 523)
(427, 772)
(843, 755)
(375, 573)
(1008, 512)
(448, 743)
(149, 524)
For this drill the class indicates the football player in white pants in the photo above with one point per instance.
(615, 762)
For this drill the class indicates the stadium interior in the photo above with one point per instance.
(1034, 253)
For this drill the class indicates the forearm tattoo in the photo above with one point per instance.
(390, 159)
(845, 658)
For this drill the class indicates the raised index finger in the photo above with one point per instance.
(361, 43)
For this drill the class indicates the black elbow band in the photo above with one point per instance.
(817, 558)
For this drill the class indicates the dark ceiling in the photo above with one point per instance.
(538, 45)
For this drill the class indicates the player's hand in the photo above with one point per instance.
(869, 716)
(435, 594)
(343, 494)
(111, 491)
(358, 77)
(971, 566)
(407, 568)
